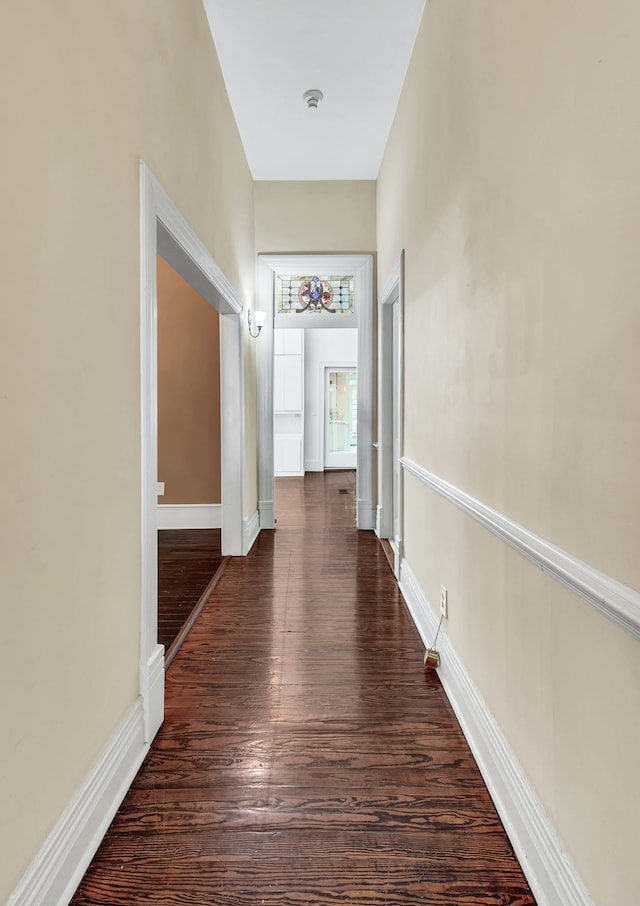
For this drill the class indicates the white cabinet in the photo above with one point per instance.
(288, 455)
(288, 401)
(288, 381)
(288, 341)
(293, 342)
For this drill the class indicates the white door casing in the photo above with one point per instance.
(396, 421)
(391, 409)
(361, 266)
(164, 231)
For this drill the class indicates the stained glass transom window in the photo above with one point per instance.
(315, 295)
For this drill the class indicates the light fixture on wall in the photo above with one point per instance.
(258, 318)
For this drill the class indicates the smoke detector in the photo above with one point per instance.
(312, 98)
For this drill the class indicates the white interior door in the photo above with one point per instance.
(341, 418)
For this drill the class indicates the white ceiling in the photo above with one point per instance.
(355, 51)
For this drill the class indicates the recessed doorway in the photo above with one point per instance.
(288, 270)
(389, 522)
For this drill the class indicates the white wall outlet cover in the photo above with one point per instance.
(444, 601)
(161, 489)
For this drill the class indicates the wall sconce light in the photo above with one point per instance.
(258, 318)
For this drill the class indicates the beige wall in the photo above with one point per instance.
(511, 179)
(315, 216)
(188, 392)
(86, 90)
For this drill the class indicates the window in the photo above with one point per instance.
(320, 296)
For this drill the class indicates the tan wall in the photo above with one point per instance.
(87, 89)
(315, 216)
(510, 178)
(188, 392)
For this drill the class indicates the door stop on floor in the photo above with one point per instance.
(432, 655)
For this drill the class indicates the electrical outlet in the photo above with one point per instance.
(161, 489)
(444, 602)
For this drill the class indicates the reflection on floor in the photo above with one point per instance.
(187, 561)
(306, 757)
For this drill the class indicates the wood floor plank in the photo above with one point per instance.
(187, 561)
(306, 757)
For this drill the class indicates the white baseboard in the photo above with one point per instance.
(250, 531)
(189, 515)
(65, 855)
(152, 691)
(267, 514)
(313, 465)
(365, 515)
(395, 545)
(551, 875)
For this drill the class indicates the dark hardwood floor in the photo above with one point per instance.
(306, 757)
(188, 559)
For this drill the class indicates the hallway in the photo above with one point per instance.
(305, 757)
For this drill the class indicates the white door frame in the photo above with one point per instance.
(361, 266)
(326, 367)
(391, 410)
(164, 231)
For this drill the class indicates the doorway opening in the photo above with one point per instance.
(165, 232)
(189, 469)
(340, 417)
(282, 268)
(391, 411)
